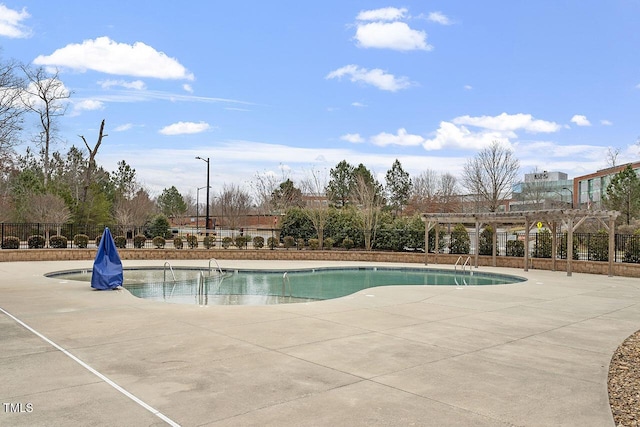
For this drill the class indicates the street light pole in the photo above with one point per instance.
(207, 218)
(570, 191)
(198, 209)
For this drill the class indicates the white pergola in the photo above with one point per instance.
(571, 219)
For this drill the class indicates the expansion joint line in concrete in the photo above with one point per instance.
(94, 372)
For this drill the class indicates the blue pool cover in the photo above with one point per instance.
(107, 267)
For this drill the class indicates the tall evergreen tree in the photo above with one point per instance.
(398, 187)
(623, 194)
(171, 203)
(340, 184)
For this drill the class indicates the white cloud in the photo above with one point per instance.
(402, 138)
(187, 87)
(11, 23)
(354, 138)
(606, 122)
(123, 127)
(358, 104)
(181, 128)
(580, 120)
(107, 56)
(383, 14)
(88, 105)
(451, 136)
(439, 18)
(469, 132)
(135, 84)
(375, 77)
(468, 87)
(391, 35)
(509, 122)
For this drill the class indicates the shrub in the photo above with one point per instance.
(120, 242)
(258, 242)
(241, 241)
(11, 242)
(515, 248)
(485, 240)
(159, 226)
(328, 243)
(139, 241)
(562, 247)
(159, 242)
(177, 242)
(632, 249)
(347, 243)
(192, 241)
(296, 223)
(58, 242)
(209, 241)
(460, 242)
(542, 247)
(36, 241)
(98, 238)
(226, 242)
(300, 243)
(314, 244)
(272, 242)
(289, 242)
(598, 245)
(81, 240)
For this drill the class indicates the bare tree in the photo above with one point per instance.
(448, 193)
(612, 157)
(45, 96)
(233, 204)
(314, 186)
(91, 164)
(133, 213)
(366, 195)
(435, 192)
(11, 108)
(490, 175)
(263, 185)
(48, 208)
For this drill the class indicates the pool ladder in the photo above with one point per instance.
(464, 266)
(217, 265)
(164, 272)
(201, 290)
(285, 282)
(164, 277)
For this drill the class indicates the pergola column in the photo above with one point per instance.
(569, 245)
(526, 243)
(612, 244)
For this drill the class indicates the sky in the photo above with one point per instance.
(283, 88)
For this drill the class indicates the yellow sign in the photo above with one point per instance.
(539, 225)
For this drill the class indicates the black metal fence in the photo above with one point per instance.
(586, 246)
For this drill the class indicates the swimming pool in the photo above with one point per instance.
(258, 287)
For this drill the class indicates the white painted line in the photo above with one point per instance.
(96, 373)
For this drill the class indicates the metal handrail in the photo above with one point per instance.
(467, 263)
(218, 265)
(455, 266)
(164, 272)
(285, 279)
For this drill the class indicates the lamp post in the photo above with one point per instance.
(198, 208)
(570, 191)
(207, 218)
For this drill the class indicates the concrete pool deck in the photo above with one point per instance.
(532, 353)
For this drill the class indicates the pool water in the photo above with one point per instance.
(259, 287)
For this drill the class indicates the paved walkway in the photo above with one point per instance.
(533, 353)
